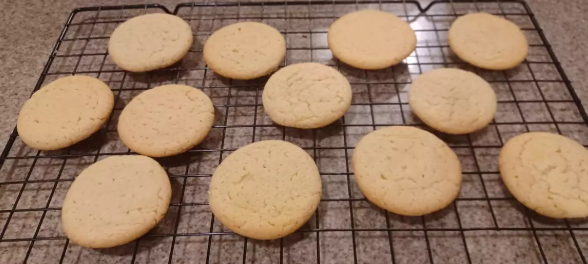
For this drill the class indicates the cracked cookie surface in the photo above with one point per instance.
(371, 40)
(245, 50)
(452, 101)
(64, 112)
(166, 120)
(265, 190)
(547, 173)
(488, 41)
(406, 170)
(150, 42)
(306, 95)
(115, 201)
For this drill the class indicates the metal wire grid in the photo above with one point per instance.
(33, 183)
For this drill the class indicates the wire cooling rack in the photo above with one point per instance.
(484, 225)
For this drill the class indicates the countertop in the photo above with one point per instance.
(27, 35)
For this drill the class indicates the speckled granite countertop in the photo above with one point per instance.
(27, 35)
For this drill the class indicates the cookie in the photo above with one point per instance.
(245, 50)
(306, 95)
(547, 173)
(406, 170)
(166, 120)
(265, 190)
(488, 41)
(115, 201)
(452, 101)
(64, 112)
(150, 42)
(371, 39)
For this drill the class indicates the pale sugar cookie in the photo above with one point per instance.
(150, 42)
(265, 190)
(406, 170)
(547, 173)
(488, 41)
(64, 112)
(166, 120)
(245, 50)
(115, 201)
(306, 95)
(452, 101)
(371, 40)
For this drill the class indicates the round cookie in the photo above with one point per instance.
(452, 101)
(166, 120)
(306, 95)
(547, 173)
(265, 190)
(115, 201)
(150, 42)
(406, 170)
(488, 41)
(371, 39)
(245, 50)
(64, 112)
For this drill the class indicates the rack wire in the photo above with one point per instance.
(484, 225)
